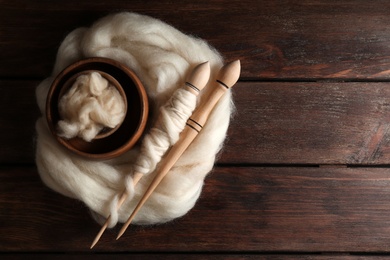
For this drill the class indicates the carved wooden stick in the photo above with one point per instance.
(194, 84)
(227, 77)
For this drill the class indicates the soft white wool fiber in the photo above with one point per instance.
(90, 105)
(170, 123)
(161, 56)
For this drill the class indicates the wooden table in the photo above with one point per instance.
(304, 172)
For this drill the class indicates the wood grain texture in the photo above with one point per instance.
(240, 210)
(310, 123)
(300, 39)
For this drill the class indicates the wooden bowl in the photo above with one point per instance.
(116, 141)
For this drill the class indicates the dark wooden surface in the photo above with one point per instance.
(304, 172)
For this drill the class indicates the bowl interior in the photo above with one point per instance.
(69, 84)
(127, 134)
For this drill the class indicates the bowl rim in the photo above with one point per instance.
(143, 98)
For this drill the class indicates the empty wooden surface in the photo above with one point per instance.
(304, 172)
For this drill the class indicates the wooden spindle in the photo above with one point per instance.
(227, 77)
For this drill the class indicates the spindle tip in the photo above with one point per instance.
(230, 73)
(121, 232)
(93, 244)
(200, 75)
(95, 241)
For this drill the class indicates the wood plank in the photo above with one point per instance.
(19, 112)
(275, 123)
(300, 39)
(189, 256)
(310, 123)
(241, 209)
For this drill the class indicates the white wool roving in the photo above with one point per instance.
(170, 123)
(162, 57)
(90, 105)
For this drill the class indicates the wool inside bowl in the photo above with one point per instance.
(97, 89)
(120, 139)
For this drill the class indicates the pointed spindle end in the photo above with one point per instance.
(120, 234)
(200, 75)
(99, 235)
(126, 225)
(97, 238)
(230, 73)
(94, 242)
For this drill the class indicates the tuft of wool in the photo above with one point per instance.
(161, 56)
(90, 105)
